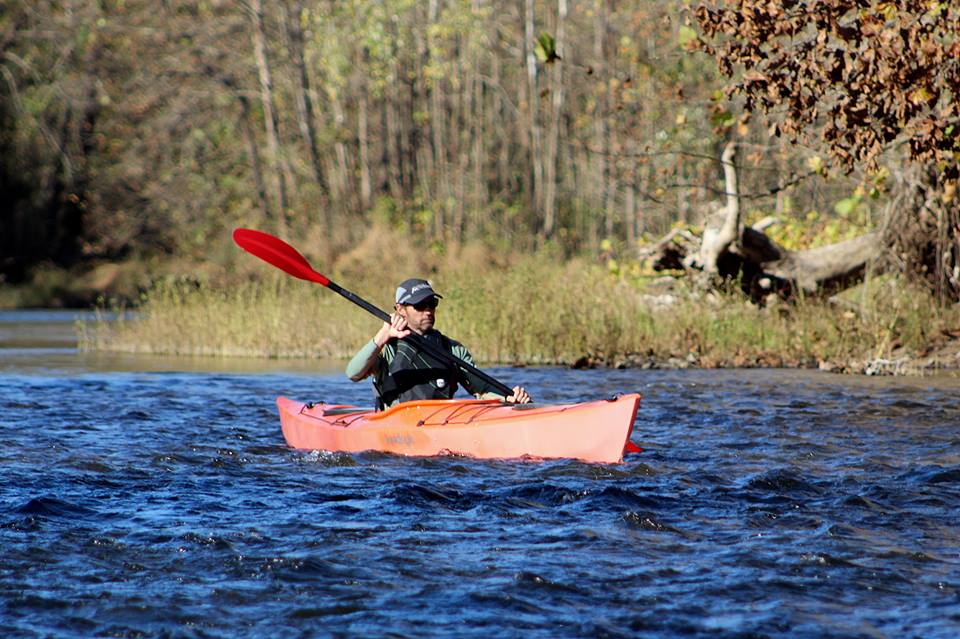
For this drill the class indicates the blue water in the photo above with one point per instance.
(776, 503)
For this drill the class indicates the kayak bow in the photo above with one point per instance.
(595, 431)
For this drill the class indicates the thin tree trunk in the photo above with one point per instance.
(553, 136)
(683, 196)
(392, 134)
(630, 210)
(600, 118)
(613, 185)
(477, 119)
(305, 109)
(783, 174)
(533, 107)
(340, 180)
(269, 111)
(363, 140)
(438, 127)
(463, 119)
(422, 135)
(408, 138)
(254, 153)
(499, 113)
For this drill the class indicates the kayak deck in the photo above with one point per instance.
(595, 431)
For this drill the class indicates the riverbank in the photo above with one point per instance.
(541, 312)
(86, 285)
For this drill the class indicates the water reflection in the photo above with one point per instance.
(44, 341)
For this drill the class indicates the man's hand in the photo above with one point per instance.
(396, 328)
(519, 396)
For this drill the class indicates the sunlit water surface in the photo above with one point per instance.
(144, 497)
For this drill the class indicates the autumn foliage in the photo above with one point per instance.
(866, 73)
(870, 80)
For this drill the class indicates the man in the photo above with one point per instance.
(401, 372)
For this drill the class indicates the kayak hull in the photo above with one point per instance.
(594, 431)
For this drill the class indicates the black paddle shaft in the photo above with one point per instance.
(423, 344)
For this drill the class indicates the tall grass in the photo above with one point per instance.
(278, 317)
(536, 311)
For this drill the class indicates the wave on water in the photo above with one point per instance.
(766, 504)
(54, 508)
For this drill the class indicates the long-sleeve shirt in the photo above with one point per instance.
(372, 360)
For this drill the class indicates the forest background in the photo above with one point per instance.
(135, 135)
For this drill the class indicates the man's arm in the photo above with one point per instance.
(364, 361)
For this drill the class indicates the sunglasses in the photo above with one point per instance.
(425, 304)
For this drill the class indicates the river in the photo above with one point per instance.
(154, 497)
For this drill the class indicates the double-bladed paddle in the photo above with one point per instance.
(275, 251)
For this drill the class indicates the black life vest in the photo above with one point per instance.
(416, 375)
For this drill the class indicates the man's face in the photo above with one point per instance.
(420, 316)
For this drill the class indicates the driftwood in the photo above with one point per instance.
(730, 250)
(668, 252)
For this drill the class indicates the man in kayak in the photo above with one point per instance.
(401, 372)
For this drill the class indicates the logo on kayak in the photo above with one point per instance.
(399, 440)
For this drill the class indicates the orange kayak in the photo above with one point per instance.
(596, 431)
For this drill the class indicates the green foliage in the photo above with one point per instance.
(545, 49)
(686, 36)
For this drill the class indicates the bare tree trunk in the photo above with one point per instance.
(438, 127)
(683, 196)
(464, 120)
(644, 186)
(600, 137)
(253, 152)
(460, 180)
(363, 140)
(391, 118)
(783, 174)
(716, 240)
(340, 180)
(269, 111)
(610, 193)
(499, 113)
(553, 135)
(533, 107)
(477, 137)
(630, 211)
(422, 136)
(305, 110)
(825, 268)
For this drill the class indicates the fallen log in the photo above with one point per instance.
(729, 250)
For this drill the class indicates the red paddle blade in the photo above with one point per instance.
(632, 448)
(275, 251)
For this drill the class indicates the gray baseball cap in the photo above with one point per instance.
(414, 291)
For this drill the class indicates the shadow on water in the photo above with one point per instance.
(156, 497)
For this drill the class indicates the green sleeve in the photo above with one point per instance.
(364, 362)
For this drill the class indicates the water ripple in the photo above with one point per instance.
(767, 504)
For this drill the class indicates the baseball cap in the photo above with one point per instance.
(414, 291)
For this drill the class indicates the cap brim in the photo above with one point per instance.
(421, 296)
